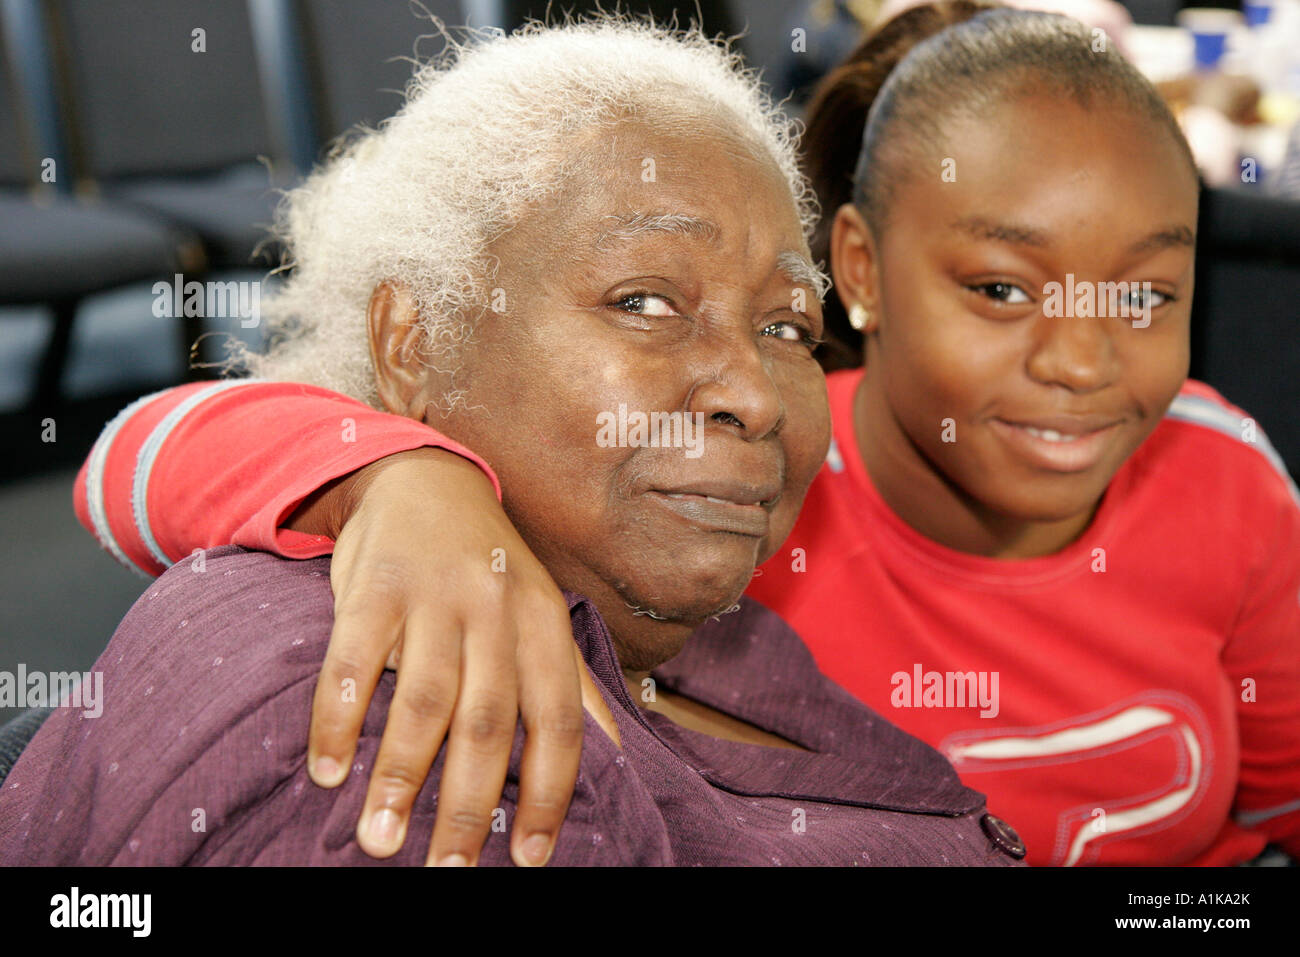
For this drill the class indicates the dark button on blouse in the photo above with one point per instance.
(1003, 836)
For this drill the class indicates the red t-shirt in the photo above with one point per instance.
(1122, 733)
(1135, 696)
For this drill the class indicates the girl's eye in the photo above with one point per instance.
(1002, 292)
(1137, 298)
(646, 304)
(791, 333)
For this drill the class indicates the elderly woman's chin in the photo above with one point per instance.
(689, 561)
(690, 585)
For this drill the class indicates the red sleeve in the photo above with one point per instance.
(1262, 660)
(223, 463)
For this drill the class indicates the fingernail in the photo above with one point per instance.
(383, 827)
(537, 849)
(326, 770)
(454, 860)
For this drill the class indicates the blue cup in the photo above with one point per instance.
(1209, 28)
(1257, 13)
(1209, 49)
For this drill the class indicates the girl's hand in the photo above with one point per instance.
(430, 578)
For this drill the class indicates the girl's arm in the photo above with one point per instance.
(228, 463)
(429, 570)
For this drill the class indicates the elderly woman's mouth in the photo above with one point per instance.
(738, 508)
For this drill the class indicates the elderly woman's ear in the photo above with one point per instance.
(393, 325)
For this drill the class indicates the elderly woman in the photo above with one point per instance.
(558, 227)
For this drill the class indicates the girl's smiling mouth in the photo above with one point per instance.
(1060, 443)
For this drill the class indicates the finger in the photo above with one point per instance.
(550, 706)
(422, 706)
(478, 746)
(359, 641)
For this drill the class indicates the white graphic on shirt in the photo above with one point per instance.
(1123, 726)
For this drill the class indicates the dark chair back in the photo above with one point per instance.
(15, 164)
(29, 129)
(1158, 13)
(1246, 311)
(144, 101)
(15, 735)
(359, 65)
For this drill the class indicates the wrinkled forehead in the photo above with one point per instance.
(701, 176)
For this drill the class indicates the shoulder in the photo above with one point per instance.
(228, 645)
(205, 705)
(1216, 453)
(234, 626)
(200, 753)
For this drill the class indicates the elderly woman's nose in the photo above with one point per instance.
(739, 391)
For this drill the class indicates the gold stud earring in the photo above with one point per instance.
(859, 316)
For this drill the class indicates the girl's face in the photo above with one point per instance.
(985, 350)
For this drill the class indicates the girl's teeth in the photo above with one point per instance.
(1049, 435)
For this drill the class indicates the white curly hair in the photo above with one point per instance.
(481, 136)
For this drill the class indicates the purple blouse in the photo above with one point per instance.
(199, 756)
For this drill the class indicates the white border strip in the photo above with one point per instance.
(95, 466)
(1211, 415)
(1251, 818)
(149, 453)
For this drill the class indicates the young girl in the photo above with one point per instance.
(1033, 544)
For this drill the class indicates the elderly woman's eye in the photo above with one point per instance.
(1002, 292)
(646, 304)
(792, 333)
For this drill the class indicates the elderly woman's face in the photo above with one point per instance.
(669, 278)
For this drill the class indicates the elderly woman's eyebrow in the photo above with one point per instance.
(801, 269)
(634, 225)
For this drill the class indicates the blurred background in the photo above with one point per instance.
(140, 139)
